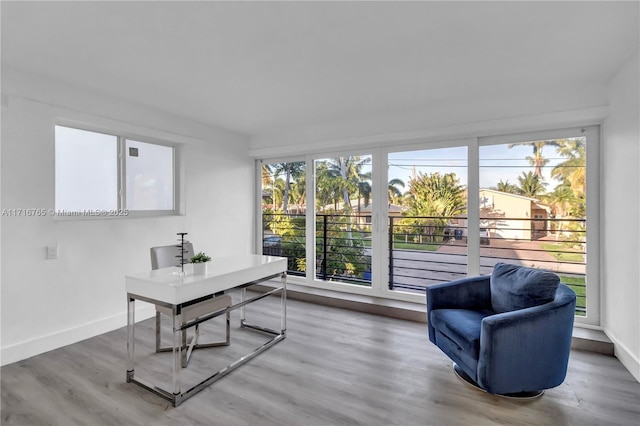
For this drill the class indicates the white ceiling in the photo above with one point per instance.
(259, 67)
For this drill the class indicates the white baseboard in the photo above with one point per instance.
(42, 344)
(631, 362)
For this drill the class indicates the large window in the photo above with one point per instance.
(344, 205)
(427, 216)
(283, 230)
(394, 220)
(533, 199)
(102, 175)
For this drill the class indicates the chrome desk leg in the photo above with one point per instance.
(130, 337)
(283, 307)
(177, 351)
(243, 295)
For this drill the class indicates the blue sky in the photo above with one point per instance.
(496, 162)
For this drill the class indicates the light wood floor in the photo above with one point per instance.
(336, 367)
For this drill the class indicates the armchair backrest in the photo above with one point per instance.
(515, 287)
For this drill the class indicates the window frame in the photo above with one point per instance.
(122, 211)
(593, 222)
(380, 151)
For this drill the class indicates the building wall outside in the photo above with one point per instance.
(514, 210)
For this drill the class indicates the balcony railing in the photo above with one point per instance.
(423, 251)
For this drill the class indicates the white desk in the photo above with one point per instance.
(163, 287)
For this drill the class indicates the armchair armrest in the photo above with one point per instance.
(534, 342)
(466, 293)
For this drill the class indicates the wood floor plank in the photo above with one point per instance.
(336, 367)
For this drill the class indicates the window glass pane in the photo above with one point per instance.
(283, 213)
(86, 170)
(427, 217)
(533, 208)
(343, 219)
(149, 180)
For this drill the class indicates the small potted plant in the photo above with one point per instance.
(199, 262)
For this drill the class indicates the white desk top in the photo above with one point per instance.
(164, 285)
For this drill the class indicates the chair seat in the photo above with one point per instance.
(462, 326)
(199, 309)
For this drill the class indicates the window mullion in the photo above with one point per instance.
(310, 219)
(379, 249)
(473, 208)
(121, 174)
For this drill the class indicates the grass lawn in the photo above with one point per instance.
(563, 252)
(415, 246)
(577, 284)
(405, 242)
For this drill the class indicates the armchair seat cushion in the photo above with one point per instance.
(516, 287)
(462, 326)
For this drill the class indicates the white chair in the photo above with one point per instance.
(168, 256)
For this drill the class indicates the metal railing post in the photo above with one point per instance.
(324, 247)
(390, 253)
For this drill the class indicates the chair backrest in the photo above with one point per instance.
(166, 256)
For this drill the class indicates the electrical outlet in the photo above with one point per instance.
(52, 252)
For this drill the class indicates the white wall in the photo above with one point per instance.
(519, 112)
(621, 217)
(51, 303)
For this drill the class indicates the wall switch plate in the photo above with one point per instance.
(52, 252)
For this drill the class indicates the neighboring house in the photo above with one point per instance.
(512, 216)
(394, 210)
(362, 212)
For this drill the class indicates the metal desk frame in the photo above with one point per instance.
(177, 396)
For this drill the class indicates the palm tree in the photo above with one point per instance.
(530, 185)
(505, 186)
(560, 200)
(277, 191)
(348, 171)
(572, 171)
(327, 186)
(393, 191)
(299, 192)
(267, 185)
(349, 180)
(267, 178)
(289, 170)
(436, 196)
(537, 160)
(364, 190)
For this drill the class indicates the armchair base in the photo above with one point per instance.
(464, 377)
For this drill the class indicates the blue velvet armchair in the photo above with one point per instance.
(508, 333)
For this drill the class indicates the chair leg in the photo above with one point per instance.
(158, 337)
(186, 353)
(192, 344)
(228, 327)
